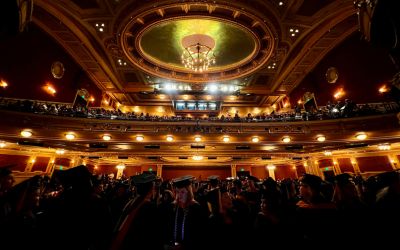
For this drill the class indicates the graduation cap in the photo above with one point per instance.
(77, 177)
(213, 179)
(183, 181)
(143, 178)
(343, 179)
(315, 182)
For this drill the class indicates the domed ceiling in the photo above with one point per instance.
(161, 43)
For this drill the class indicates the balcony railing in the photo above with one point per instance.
(324, 112)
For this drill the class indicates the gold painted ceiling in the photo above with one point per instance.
(138, 43)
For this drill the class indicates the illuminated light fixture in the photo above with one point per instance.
(33, 161)
(384, 147)
(305, 164)
(293, 31)
(197, 157)
(361, 136)
(328, 153)
(121, 166)
(197, 138)
(26, 133)
(197, 54)
(271, 167)
(49, 89)
(294, 168)
(139, 138)
(60, 151)
(121, 63)
(286, 104)
(392, 161)
(95, 167)
(280, 3)
(105, 102)
(383, 89)
(225, 138)
(2, 144)
(100, 26)
(70, 136)
(3, 84)
(106, 137)
(286, 139)
(255, 139)
(321, 138)
(170, 138)
(339, 93)
(91, 99)
(299, 101)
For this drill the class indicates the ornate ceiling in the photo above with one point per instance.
(127, 47)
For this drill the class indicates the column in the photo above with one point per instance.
(159, 170)
(313, 167)
(394, 161)
(50, 166)
(271, 171)
(120, 171)
(355, 165)
(30, 163)
(233, 170)
(336, 168)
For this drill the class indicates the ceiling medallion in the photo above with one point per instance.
(196, 45)
(332, 75)
(198, 52)
(57, 70)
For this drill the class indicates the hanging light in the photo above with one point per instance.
(255, 139)
(197, 138)
(26, 133)
(139, 138)
(170, 138)
(286, 139)
(225, 138)
(321, 138)
(361, 136)
(197, 54)
(70, 136)
(106, 137)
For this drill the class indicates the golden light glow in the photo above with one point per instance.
(232, 98)
(170, 138)
(274, 106)
(361, 136)
(91, 99)
(328, 153)
(353, 162)
(384, 147)
(299, 102)
(33, 160)
(139, 138)
(321, 138)
(26, 133)
(335, 163)
(197, 138)
(3, 84)
(106, 137)
(121, 166)
(60, 151)
(49, 89)
(255, 139)
(383, 89)
(2, 144)
(197, 157)
(162, 97)
(105, 102)
(52, 162)
(271, 167)
(294, 168)
(305, 164)
(286, 104)
(185, 97)
(392, 161)
(226, 138)
(339, 93)
(70, 136)
(95, 167)
(208, 97)
(286, 139)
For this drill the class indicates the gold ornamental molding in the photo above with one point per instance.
(165, 25)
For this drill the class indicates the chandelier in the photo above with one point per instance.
(197, 54)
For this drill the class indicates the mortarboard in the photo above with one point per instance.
(183, 181)
(143, 178)
(315, 182)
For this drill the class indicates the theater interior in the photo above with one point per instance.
(124, 56)
(228, 88)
